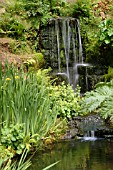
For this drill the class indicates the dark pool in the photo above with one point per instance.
(77, 155)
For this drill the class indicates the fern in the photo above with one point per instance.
(107, 109)
(99, 100)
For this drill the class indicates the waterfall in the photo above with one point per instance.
(65, 48)
(90, 135)
(58, 44)
(76, 66)
(66, 43)
(80, 43)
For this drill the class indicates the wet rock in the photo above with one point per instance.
(80, 126)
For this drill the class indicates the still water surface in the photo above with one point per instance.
(77, 155)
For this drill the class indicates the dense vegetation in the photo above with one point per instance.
(33, 109)
(29, 108)
(23, 20)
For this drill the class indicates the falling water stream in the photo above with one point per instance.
(62, 42)
(65, 48)
(89, 135)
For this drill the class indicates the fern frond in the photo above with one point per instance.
(107, 108)
(99, 100)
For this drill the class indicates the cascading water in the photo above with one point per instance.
(62, 43)
(77, 65)
(90, 135)
(65, 48)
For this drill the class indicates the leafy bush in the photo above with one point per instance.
(66, 99)
(36, 62)
(109, 75)
(23, 20)
(106, 32)
(63, 95)
(12, 26)
(99, 100)
(100, 50)
(81, 8)
(12, 138)
(35, 12)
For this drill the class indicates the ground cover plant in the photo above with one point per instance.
(67, 99)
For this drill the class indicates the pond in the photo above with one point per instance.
(77, 155)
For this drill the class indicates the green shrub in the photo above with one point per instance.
(66, 99)
(12, 138)
(35, 63)
(109, 75)
(12, 27)
(106, 32)
(81, 8)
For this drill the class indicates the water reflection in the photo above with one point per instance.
(77, 155)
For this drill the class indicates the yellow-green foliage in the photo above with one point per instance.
(12, 138)
(39, 59)
(43, 74)
(36, 62)
(109, 75)
(20, 47)
(67, 100)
